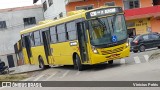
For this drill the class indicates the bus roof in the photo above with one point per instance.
(48, 23)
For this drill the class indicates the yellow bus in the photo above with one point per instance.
(82, 38)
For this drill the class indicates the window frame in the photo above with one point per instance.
(29, 21)
(37, 38)
(84, 6)
(63, 32)
(50, 2)
(3, 25)
(53, 34)
(110, 2)
(44, 6)
(126, 1)
(72, 30)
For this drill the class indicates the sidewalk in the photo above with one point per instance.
(23, 69)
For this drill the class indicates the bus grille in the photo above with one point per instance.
(112, 51)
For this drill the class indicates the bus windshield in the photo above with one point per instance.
(102, 29)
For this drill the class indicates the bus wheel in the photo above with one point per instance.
(41, 63)
(110, 62)
(78, 64)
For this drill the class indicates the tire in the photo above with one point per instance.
(41, 63)
(142, 48)
(110, 62)
(158, 47)
(77, 63)
(135, 51)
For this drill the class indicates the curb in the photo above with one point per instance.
(154, 56)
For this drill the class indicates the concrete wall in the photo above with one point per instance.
(14, 22)
(55, 9)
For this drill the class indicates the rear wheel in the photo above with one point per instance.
(110, 62)
(77, 63)
(41, 63)
(142, 48)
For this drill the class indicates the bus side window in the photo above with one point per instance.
(32, 39)
(61, 32)
(37, 39)
(71, 30)
(53, 34)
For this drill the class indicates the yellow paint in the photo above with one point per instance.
(62, 52)
(109, 54)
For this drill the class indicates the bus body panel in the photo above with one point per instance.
(100, 58)
(38, 51)
(25, 56)
(63, 52)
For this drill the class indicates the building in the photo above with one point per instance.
(142, 16)
(53, 9)
(12, 21)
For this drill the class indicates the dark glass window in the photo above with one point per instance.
(3, 24)
(50, 2)
(110, 4)
(45, 6)
(29, 21)
(88, 7)
(61, 33)
(71, 30)
(72, 35)
(53, 35)
(129, 4)
(61, 14)
(37, 38)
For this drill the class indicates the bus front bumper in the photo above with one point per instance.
(97, 58)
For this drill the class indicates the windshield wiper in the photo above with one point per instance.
(101, 22)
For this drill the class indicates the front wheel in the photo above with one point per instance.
(78, 65)
(142, 48)
(110, 62)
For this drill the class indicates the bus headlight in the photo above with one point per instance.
(94, 50)
(127, 44)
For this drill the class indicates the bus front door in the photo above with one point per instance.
(28, 47)
(82, 42)
(47, 48)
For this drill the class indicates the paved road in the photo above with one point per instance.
(134, 68)
(68, 73)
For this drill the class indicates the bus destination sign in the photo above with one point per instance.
(101, 12)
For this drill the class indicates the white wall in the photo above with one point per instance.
(14, 22)
(55, 9)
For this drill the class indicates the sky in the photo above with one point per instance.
(16, 3)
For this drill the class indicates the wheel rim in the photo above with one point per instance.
(142, 48)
